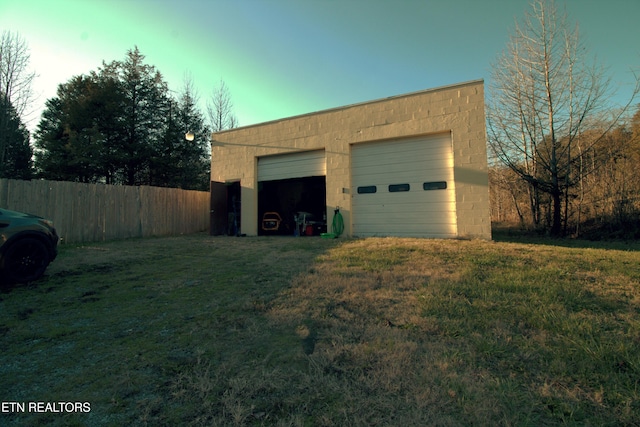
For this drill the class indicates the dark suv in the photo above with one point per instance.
(28, 244)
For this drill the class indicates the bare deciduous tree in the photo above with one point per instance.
(15, 78)
(15, 84)
(544, 91)
(220, 109)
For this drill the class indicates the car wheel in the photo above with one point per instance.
(25, 260)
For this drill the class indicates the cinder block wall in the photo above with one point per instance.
(458, 109)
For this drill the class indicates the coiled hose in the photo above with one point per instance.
(337, 225)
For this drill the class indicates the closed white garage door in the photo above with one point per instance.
(404, 188)
(294, 165)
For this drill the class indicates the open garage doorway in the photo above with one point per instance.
(294, 206)
(226, 208)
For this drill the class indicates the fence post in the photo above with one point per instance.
(4, 184)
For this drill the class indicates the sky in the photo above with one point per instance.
(281, 58)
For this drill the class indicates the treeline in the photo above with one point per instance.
(119, 124)
(564, 169)
(603, 200)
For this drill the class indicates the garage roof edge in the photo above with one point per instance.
(344, 107)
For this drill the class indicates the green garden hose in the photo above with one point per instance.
(337, 225)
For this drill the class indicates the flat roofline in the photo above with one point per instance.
(344, 107)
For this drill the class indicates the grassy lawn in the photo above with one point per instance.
(200, 330)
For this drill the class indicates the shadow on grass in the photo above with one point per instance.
(161, 331)
(513, 234)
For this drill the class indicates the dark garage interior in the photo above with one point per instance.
(295, 206)
(234, 209)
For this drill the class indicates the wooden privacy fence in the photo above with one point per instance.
(97, 212)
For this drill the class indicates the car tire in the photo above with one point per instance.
(25, 260)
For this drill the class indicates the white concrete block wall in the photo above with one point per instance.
(458, 109)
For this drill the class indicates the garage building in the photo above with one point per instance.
(412, 165)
